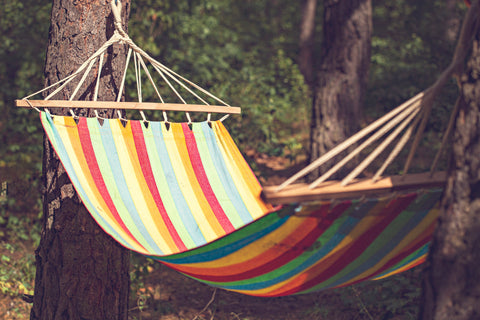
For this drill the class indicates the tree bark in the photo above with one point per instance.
(453, 21)
(452, 279)
(307, 37)
(82, 273)
(342, 75)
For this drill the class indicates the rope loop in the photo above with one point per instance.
(31, 105)
(144, 118)
(165, 117)
(119, 113)
(74, 116)
(189, 119)
(141, 60)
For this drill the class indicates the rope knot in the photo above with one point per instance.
(117, 15)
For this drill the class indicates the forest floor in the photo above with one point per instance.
(163, 294)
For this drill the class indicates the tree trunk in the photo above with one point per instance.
(343, 73)
(453, 21)
(82, 273)
(452, 279)
(307, 36)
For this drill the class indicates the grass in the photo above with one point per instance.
(160, 293)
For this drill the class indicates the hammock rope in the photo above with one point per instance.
(140, 56)
(186, 197)
(420, 104)
(183, 194)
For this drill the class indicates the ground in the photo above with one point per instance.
(172, 296)
(163, 294)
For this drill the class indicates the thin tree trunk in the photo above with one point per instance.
(82, 273)
(452, 278)
(307, 37)
(453, 21)
(343, 73)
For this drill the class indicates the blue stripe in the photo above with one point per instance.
(412, 257)
(344, 229)
(63, 155)
(222, 170)
(183, 209)
(418, 211)
(226, 250)
(122, 186)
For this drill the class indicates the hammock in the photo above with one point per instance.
(183, 194)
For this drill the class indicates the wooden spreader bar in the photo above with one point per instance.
(127, 105)
(358, 188)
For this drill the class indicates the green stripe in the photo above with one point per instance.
(214, 179)
(227, 240)
(295, 263)
(163, 186)
(380, 241)
(110, 181)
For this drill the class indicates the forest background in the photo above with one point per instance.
(245, 52)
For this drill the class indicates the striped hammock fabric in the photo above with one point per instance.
(184, 195)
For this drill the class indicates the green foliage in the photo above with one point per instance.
(244, 52)
(17, 272)
(23, 31)
(409, 50)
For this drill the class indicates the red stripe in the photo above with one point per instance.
(394, 261)
(144, 161)
(388, 214)
(318, 221)
(420, 242)
(89, 153)
(202, 179)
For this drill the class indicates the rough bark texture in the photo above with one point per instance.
(82, 273)
(343, 73)
(452, 279)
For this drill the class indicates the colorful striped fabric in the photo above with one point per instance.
(184, 195)
(301, 249)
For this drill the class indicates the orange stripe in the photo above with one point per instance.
(322, 265)
(197, 189)
(428, 231)
(241, 164)
(127, 136)
(74, 140)
(262, 258)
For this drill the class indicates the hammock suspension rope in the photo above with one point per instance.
(185, 195)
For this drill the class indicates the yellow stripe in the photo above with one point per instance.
(255, 248)
(187, 190)
(402, 269)
(136, 187)
(197, 189)
(154, 212)
(320, 265)
(412, 235)
(245, 182)
(164, 189)
(67, 129)
(110, 183)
